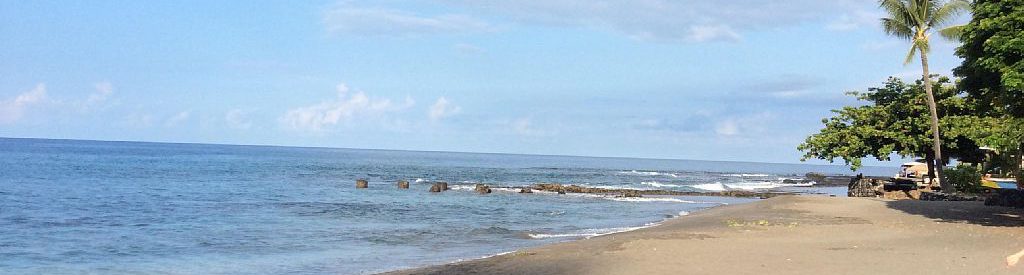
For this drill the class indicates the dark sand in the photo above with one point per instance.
(788, 235)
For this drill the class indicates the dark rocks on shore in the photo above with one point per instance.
(482, 189)
(935, 196)
(403, 184)
(1006, 197)
(362, 183)
(862, 187)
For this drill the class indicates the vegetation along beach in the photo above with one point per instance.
(512, 137)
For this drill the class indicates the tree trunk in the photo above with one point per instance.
(936, 140)
(929, 159)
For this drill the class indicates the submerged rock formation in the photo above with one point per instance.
(362, 183)
(436, 187)
(562, 189)
(631, 194)
(403, 184)
(526, 190)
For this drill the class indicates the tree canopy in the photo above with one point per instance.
(894, 119)
(993, 53)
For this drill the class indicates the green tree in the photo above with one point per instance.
(915, 21)
(993, 74)
(894, 119)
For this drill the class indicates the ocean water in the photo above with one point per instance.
(126, 207)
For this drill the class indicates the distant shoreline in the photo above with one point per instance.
(786, 235)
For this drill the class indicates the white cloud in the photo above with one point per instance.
(178, 118)
(349, 19)
(14, 109)
(745, 125)
(855, 20)
(340, 110)
(667, 20)
(727, 127)
(237, 119)
(467, 49)
(713, 33)
(441, 109)
(103, 91)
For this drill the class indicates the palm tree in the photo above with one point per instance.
(915, 21)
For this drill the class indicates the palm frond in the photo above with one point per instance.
(948, 12)
(897, 29)
(952, 33)
(911, 54)
(898, 10)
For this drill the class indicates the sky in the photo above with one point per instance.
(743, 80)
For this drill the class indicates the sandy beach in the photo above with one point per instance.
(788, 235)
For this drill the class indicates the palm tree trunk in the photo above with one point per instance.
(936, 141)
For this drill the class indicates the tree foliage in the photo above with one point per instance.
(894, 119)
(993, 53)
(916, 20)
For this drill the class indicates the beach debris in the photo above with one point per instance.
(526, 190)
(362, 183)
(403, 184)
(1012, 260)
(482, 189)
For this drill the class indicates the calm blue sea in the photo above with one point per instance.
(97, 207)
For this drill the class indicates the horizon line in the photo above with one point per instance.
(429, 151)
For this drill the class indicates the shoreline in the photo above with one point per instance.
(787, 234)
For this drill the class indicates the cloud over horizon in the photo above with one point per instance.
(343, 109)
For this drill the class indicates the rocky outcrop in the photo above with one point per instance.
(362, 183)
(482, 189)
(631, 194)
(438, 187)
(1006, 197)
(526, 190)
(862, 187)
(443, 185)
(403, 184)
(562, 189)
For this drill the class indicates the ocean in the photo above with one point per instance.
(71, 206)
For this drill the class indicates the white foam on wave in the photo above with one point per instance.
(648, 173)
(658, 184)
(653, 199)
(590, 233)
(748, 186)
(748, 175)
(420, 180)
(594, 232)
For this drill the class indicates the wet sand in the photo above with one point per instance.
(788, 235)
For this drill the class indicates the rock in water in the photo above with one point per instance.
(403, 184)
(631, 194)
(526, 190)
(483, 189)
(436, 187)
(361, 183)
(443, 184)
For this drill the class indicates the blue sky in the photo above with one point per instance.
(742, 80)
